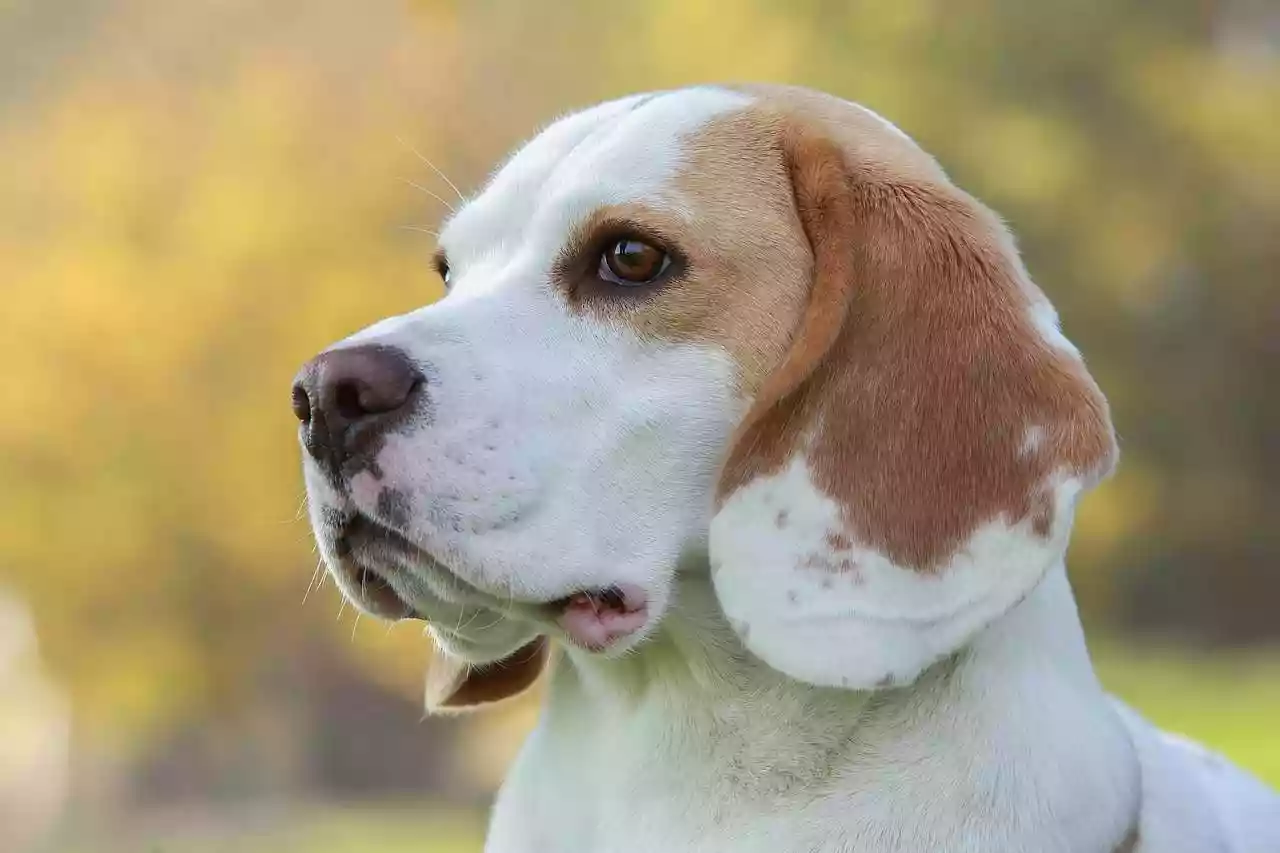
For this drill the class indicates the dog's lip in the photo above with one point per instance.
(362, 567)
(358, 524)
(374, 591)
(597, 618)
(378, 596)
(594, 618)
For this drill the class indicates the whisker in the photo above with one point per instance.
(475, 614)
(420, 188)
(317, 574)
(354, 626)
(435, 234)
(297, 515)
(433, 167)
(497, 620)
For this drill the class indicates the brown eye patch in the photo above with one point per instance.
(614, 257)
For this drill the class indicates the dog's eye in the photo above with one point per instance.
(631, 262)
(442, 267)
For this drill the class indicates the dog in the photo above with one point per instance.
(750, 429)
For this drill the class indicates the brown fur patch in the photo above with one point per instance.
(915, 371)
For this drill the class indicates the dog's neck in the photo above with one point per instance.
(692, 741)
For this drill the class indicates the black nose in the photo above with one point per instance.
(347, 398)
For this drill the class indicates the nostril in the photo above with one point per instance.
(346, 399)
(350, 387)
(301, 404)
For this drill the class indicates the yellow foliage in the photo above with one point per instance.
(176, 257)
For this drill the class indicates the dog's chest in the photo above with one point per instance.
(719, 782)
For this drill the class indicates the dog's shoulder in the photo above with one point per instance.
(1195, 800)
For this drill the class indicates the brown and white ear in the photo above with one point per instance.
(909, 471)
(455, 686)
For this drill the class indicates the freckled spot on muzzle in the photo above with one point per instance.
(394, 508)
(332, 518)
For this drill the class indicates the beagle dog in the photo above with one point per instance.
(751, 429)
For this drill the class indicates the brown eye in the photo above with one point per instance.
(630, 262)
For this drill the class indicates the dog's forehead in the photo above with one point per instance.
(623, 151)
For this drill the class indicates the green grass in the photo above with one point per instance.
(375, 831)
(334, 829)
(1230, 703)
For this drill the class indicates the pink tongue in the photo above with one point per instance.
(594, 625)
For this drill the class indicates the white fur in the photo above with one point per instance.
(1032, 439)
(850, 617)
(1044, 317)
(884, 122)
(564, 452)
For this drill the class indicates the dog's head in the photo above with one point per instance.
(755, 328)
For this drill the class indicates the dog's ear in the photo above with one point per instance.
(909, 471)
(454, 686)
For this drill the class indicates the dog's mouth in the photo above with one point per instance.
(361, 543)
(595, 619)
(380, 597)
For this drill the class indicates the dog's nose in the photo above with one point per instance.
(344, 396)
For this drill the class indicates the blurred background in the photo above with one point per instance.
(197, 196)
